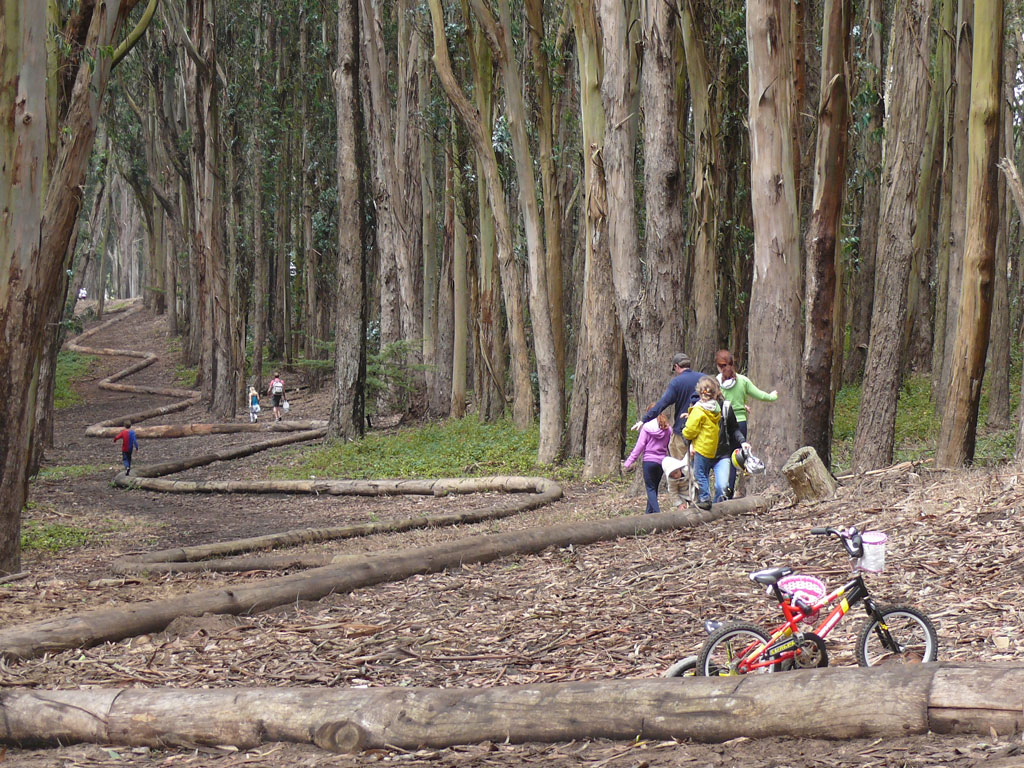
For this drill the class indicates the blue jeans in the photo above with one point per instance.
(701, 470)
(652, 477)
(732, 470)
(722, 475)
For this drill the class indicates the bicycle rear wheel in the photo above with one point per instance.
(730, 644)
(904, 636)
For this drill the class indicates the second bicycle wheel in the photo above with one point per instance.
(904, 636)
(729, 645)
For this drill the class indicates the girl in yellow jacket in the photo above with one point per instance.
(702, 431)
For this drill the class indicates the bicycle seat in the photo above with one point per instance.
(770, 575)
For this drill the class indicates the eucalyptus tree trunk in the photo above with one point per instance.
(999, 349)
(706, 194)
(460, 296)
(438, 373)
(601, 349)
(958, 189)
(43, 201)
(945, 56)
(550, 380)
(552, 202)
(959, 428)
(907, 95)
(775, 312)
(822, 240)
(347, 407)
(871, 162)
(310, 259)
(650, 293)
(489, 345)
(511, 277)
(214, 286)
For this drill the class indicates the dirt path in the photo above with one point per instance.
(627, 608)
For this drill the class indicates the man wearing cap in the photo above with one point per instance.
(682, 392)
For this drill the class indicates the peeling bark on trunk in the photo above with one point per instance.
(907, 95)
(822, 241)
(347, 408)
(958, 432)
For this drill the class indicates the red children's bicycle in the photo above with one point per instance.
(892, 634)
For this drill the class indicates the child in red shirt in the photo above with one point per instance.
(128, 444)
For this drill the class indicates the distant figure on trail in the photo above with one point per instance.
(681, 392)
(702, 426)
(128, 444)
(736, 388)
(652, 444)
(82, 293)
(254, 405)
(276, 390)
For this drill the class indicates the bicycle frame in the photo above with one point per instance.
(782, 644)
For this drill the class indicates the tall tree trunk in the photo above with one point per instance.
(958, 188)
(550, 380)
(705, 195)
(438, 376)
(347, 408)
(44, 202)
(871, 162)
(511, 278)
(552, 202)
(775, 312)
(999, 349)
(821, 294)
(959, 428)
(907, 97)
(945, 63)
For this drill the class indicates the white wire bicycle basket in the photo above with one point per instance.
(803, 587)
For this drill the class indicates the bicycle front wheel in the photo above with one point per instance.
(903, 636)
(728, 646)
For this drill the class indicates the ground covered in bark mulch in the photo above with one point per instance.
(625, 608)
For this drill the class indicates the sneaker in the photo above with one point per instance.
(128, 471)
(704, 504)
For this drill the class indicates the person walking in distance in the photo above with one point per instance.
(681, 393)
(129, 444)
(276, 391)
(254, 405)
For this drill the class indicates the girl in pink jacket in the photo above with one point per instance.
(652, 444)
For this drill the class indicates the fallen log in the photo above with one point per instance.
(538, 492)
(836, 703)
(347, 573)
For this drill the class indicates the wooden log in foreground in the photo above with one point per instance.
(836, 703)
(809, 476)
(348, 573)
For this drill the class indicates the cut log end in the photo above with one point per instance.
(808, 476)
(341, 736)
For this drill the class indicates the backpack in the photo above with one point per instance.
(278, 387)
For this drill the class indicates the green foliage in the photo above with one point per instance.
(52, 537)
(186, 375)
(463, 448)
(70, 471)
(71, 367)
(917, 425)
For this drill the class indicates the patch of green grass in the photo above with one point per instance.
(463, 448)
(71, 367)
(52, 537)
(186, 375)
(71, 471)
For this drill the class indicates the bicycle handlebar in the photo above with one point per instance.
(851, 539)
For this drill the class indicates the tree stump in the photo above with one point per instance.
(808, 476)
